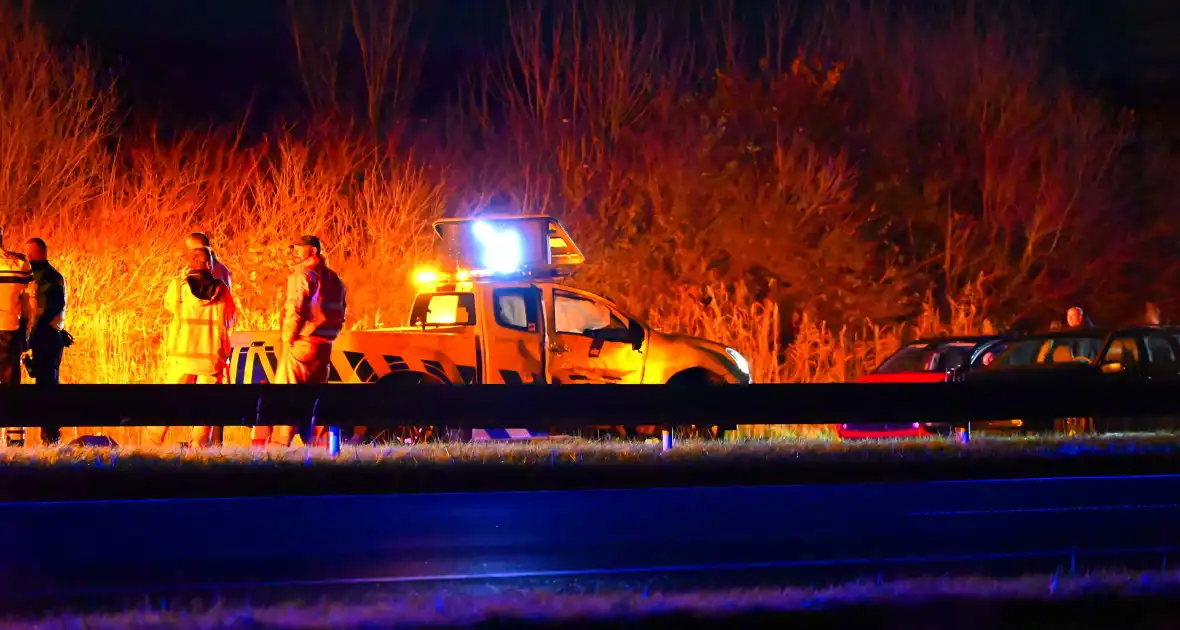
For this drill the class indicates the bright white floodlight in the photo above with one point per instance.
(502, 249)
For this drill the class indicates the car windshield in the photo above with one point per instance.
(1048, 351)
(927, 358)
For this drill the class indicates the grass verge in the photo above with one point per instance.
(969, 603)
(79, 473)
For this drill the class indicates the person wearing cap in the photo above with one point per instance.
(218, 268)
(198, 346)
(313, 316)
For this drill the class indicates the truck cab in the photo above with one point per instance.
(496, 310)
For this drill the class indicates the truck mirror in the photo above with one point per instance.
(636, 334)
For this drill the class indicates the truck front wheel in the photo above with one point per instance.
(406, 434)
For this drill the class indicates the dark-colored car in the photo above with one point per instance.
(1138, 352)
(923, 361)
(1086, 355)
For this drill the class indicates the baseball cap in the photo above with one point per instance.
(308, 240)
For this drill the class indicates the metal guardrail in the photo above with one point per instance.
(566, 407)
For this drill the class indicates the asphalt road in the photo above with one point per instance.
(69, 550)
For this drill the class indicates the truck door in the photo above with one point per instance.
(515, 337)
(592, 343)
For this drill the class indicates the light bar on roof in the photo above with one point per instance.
(502, 249)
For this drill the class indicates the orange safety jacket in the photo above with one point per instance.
(316, 304)
(203, 311)
(18, 295)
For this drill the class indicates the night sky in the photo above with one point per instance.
(192, 62)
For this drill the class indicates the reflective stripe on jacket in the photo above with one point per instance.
(316, 304)
(198, 340)
(18, 297)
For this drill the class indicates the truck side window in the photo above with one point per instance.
(575, 315)
(516, 309)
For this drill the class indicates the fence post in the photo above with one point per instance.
(666, 438)
(333, 440)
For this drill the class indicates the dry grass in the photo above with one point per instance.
(605, 453)
(458, 608)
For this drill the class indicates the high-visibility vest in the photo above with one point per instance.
(316, 304)
(199, 343)
(17, 294)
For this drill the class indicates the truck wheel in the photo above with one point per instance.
(698, 378)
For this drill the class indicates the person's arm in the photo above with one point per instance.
(28, 300)
(54, 296)
(231, 308)
(172, 305)
(298, 295)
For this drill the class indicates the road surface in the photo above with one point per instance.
(66, 551)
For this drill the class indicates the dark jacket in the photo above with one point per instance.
(51, 297)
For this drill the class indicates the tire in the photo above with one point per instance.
(697, 378)
(410, 434)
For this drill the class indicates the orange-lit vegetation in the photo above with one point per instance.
(810, 193)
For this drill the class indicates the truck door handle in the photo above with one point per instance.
(557, 349)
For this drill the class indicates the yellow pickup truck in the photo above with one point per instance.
(497, 311)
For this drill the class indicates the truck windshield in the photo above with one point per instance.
(443, 309)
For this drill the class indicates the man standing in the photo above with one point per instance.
(218, 268)
(198, 347)
(18, 303)
(47, 337)
(312, 319)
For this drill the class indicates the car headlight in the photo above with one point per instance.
(738, 360)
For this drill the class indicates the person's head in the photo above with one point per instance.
(199, 259)
(36, 250)
(304, 247)
(195, 240)
(1075, 317)
(1153, 313)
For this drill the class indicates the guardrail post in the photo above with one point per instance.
(666, 438)
(333, 440)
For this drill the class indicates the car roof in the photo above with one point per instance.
(932, 341)
(1102, 332)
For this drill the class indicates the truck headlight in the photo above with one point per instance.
(738, 360)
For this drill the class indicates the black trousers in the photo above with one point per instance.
(47, 347)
